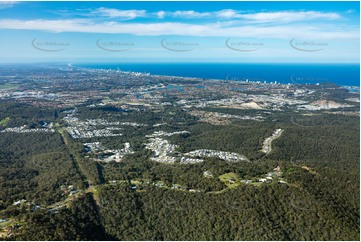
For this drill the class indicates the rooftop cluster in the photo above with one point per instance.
(227, 156)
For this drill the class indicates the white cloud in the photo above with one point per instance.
(160, 14)
(116, 13)
(190, 14)
(183, 29)
(275, 17)
(7, 4)
(262, 17)
(227, 13)
(289, 16)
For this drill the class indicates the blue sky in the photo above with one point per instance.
(262, 32)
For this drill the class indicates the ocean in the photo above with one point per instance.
(341, 74)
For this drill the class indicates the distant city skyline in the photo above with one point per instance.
(241, 32)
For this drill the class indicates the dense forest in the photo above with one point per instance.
(65, 195)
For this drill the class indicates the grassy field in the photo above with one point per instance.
(225, 178)
(5, 121)
(8, 86)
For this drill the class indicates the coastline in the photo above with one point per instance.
(99, 67)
